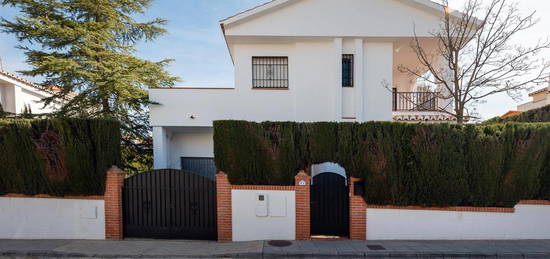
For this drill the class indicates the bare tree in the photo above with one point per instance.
(475, 57)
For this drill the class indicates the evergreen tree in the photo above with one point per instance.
(87, 48)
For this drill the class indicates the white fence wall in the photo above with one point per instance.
(278, 223)
(44, 218)
(527, 222)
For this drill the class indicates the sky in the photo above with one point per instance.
(196, 43)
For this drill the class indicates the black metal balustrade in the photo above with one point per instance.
(415, 101)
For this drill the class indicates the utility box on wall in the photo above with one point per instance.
(261, 205)
(277, 206)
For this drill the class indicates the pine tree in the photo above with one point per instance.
(86, 48)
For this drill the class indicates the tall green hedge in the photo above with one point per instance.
(58, 156)
(402, 164)
(536, 115)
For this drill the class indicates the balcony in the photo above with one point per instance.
(419, 107)
(415, 101)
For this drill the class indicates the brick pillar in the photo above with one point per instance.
(357, 214)
(224, 219)
(113, 203)
(302, 184)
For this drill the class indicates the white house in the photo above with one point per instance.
(540, 98)
(17, 94)
(304, 60)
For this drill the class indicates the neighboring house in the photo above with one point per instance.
(305, 60)
(540, 97)
(18, 94)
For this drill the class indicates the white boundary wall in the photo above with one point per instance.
(527, 222)
(279, 223)
(45, 218)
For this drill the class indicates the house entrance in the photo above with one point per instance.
(329, 205)
(169, 203)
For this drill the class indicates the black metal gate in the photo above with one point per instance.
(169, 203)
(329, 205)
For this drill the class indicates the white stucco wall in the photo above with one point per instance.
(527, 222)
(197, 143)
(279, 224)
(378, 77)
(315, 92)
(35, 218)
(376, 18)
(15, 96)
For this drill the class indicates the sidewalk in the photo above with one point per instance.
(259, 249)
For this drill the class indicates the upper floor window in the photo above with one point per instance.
(270, 72)
(347, 70)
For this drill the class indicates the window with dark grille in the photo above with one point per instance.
(269, 72)
(347, 70)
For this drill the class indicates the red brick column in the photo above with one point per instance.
(357, 214)
(302, 184)
(225, 225)
(113, 203)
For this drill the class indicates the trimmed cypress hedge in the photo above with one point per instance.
(402, 164)
(57, 157)
(536, 115)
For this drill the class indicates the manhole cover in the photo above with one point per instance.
(376, 247)
(279, 243)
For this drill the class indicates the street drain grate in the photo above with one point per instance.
(376, 247)
(279, 243)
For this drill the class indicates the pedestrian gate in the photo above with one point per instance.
(329, 205)
(169, 203)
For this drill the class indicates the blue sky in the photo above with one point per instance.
(196, 43)
(194, 40)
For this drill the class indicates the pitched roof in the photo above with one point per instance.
(510, 113)
(20, 79)
(275, 3)
(49, 89)
(546, 89)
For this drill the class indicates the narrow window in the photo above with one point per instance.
(270, 72)
(347, 70)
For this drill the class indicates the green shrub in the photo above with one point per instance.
(58, 156)
(402, 164)
(536, 115)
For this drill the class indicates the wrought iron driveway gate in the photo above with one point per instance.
(169, 203)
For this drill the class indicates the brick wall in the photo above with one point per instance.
(113, 203)
(224, 217)
(303, 183)
(357, 214)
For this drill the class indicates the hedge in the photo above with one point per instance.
(402, 164)
(57, 157)
(536, 115)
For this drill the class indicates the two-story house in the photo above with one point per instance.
(305, 60)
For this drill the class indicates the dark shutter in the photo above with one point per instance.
(199, 165)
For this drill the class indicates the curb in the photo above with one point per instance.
(278, 255)
(95, 255)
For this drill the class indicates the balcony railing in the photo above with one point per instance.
(415, 101)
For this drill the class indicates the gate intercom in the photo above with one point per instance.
(261, 205)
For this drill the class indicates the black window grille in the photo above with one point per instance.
(269, 72)
(347, 70)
